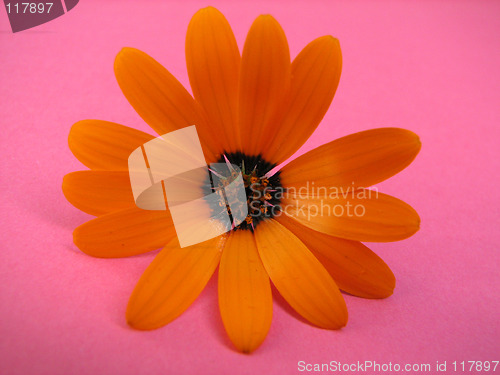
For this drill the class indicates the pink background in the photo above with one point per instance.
(432, 67)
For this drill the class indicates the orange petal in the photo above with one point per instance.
(245, 298)
(264, 83)
(360, 215)
(172, 282)
(158, 97)
(354, 267)
(104, 145)
(213, 62)
(98, 192)
(358, 160)
(315, 77)
(124, 233)
(299, 276)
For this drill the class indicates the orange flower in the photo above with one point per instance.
(256, 109)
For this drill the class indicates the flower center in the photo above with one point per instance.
(263, 191)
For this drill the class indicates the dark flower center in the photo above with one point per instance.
(263, 192)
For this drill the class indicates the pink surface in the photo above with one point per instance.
(432, 67)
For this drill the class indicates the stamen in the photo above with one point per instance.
(217, 174)
(229, 165)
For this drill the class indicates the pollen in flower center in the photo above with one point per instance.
(263, 192)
